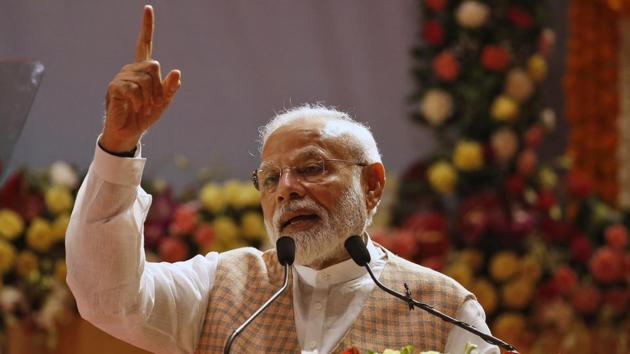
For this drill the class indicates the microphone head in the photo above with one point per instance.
(357, 250)
(285, 249)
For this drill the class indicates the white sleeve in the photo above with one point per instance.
(472, 313)
(159, 307)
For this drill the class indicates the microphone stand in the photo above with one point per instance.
(238, 331)
(407, 298)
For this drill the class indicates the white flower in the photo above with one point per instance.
(518, 85)
(472, 14)
(436, 106)
(548, 118)
(63, 174)
(10, 299)
(53, 309)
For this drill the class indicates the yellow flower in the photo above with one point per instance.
(59, 227)
(249, 196)
(509, 326)
(537, 67)
(225, 229)
(468, 156)
(7, 256)
(61, 271)
(504, 265)
(58, 199)
(231, 192)
(461, 272)
(486, 294)
(472, 257)
(212, 198)
(442, 177)
(391, 351)
(252, 226)
(26, 263)
(530, 269)
(39, 235)
(517, 294)
(504, 109)
(548, 178)
(11, 224)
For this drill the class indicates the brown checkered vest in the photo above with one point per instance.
(246, 278)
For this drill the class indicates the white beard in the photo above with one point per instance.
(325, 240)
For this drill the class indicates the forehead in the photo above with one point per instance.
(303, 137)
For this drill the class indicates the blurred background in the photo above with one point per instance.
(504, 126)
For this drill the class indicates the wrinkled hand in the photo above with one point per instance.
(137, 95)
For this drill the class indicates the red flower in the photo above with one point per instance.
(607, 265)
(173, 249)
(617, 298)
(429, 232)
(515, 185)
(534, 136)
(519, 17)
(204, 235)
(433, 32)
(581, 249)
(184, 220)
(579, 184)
(565, 278)
(527, 162)
(586, 299)
(617, 236)
(436, 5)
(153, 234)
(446, 66)
(546, 200)
(548, 290)
(351, 350)
(494, 57)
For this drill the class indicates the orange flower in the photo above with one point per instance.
(446, 66)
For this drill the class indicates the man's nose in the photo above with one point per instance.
(289, 186)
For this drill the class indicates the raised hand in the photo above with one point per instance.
(137, 95)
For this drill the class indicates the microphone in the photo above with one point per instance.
(360, 255)
(285, 250)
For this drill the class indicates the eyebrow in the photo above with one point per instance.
(307, 153)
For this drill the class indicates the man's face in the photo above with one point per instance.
(318, 216)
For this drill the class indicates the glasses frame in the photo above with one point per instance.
(254, 175)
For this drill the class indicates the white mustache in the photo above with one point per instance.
(295, 205)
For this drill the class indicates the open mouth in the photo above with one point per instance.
(299, 220)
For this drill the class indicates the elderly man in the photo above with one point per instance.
(321, 179)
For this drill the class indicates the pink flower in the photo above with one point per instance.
(173, 249)
(162, 207)
(433, 32)
(404, 244)
(153, 234)
(586, 299)
(184, 219)
(607, 265)
(494, 57)
(519, 17)
(204, 235)
(445, 66)
(617, 236)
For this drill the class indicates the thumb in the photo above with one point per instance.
(170, 85)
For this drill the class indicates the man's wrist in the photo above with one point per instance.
(129, 153)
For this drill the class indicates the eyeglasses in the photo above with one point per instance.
(267, 178)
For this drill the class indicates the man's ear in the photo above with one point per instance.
(373, 182)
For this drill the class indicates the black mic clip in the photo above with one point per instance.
(408, 296)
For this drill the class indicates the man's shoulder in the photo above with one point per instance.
(423, 276)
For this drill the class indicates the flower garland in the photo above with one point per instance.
(592, 98)
(624, 135)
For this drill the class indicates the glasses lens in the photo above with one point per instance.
(310, 171)
(268, 178)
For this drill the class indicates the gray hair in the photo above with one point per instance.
(339, 124)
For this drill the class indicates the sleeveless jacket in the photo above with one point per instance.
(246, 278)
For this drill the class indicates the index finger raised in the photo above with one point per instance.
(144, 46)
